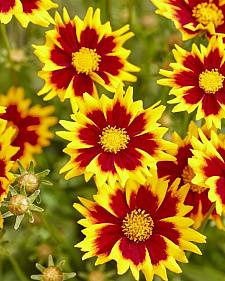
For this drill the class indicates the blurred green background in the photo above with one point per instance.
(56, 231)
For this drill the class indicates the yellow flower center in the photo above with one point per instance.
(86, 60)
(137, 226)
(114, 139)
(211, 81)
(206, 13)
(187, 176)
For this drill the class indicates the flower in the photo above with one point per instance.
(7, 151)
(135, 227)
(31, 124)
(209, 165)
(114, 139)
(35, 11)
(197, 81)
(78, 53)
(193, 17)
(197, 195)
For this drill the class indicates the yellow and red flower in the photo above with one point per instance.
(35, 11)
(197, 195)
(141, 227)
(197, 81)
(31, 123)
(79, 53)
(192, 17)
(114, 139)
(208, 163)
(7, 151)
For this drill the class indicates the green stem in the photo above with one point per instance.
(202, 228)
(130, 7)
(58, 236)
(20, 274)
(5, 38)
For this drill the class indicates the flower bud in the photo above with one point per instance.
(44, 250)
(29, 181)
(52, 273)
(96, 276)
(18, 204)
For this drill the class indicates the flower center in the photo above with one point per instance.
(114, 139)
(187, 176)
(211, 81)
(86, 60)
(206, 13)
(137, 226)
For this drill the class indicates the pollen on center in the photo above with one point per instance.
(187, 176)
(114, 139)
(211, 81)
(138, 225)
(206, 13)
(86, 60)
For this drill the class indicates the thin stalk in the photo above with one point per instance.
(20, 274)
(131, 12)
(58, 236)
(202, 228)
(5, 38)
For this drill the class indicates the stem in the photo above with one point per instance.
(5, 38)
(17, 269)
(57, 236)
(207, 217)
(130, 7)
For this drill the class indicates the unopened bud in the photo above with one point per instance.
(52, 273)
(44, 250)
(18, 204)
(29, 181)
(96, 276)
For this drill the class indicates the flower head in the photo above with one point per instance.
(193, 17)
(35, 11)
(197, 81)
(114, 139)
(7, 151)
(31, 124)
(78, 53)
(197, 195)
(209, 165)
(135, 227)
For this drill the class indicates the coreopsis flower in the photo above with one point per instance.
(208, 163)
(35, 11)
(7, 151)
(197, 81)
(141, 227)
(78, 53)
(32, 124)
(114, 139)
(194, 17)
(197, 195)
